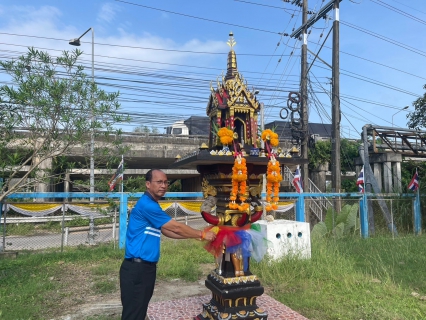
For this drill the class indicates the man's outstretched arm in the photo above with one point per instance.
(177, 230)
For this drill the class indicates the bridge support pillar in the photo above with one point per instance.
(387, 176)
(378, 174)
(387, 170)
(318, 176)
(67, 183)
(396, 174)
(43, 185)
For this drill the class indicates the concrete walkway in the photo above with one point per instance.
(182, 309)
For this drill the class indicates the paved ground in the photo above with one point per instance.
(188, 308)
(166, 306)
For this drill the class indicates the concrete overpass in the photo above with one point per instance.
(147, 151)
(154, 151)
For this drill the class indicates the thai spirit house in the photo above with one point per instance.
(232, 171)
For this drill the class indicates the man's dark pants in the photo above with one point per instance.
(137, 280)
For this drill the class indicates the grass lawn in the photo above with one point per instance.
(351, 278)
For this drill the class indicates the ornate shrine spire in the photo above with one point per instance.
(232, 58)
(232, 104)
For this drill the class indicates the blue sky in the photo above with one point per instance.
(163, 62)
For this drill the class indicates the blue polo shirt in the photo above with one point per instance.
(144, 229)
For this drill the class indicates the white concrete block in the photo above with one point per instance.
(287, 238)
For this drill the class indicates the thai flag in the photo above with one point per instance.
(297, 181)
(414, 184)
(117, 177)
(360, 180)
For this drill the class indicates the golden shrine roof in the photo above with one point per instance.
(232, 91)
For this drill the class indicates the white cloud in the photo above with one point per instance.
(29, 17)
(46, 21)
(131, 46)
(107, 13)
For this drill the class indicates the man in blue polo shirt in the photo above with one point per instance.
(147, 221)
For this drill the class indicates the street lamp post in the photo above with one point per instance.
(405, 108)
(262, 143)
(76, 42)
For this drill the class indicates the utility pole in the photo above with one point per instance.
(302, 32)
(335, 113)
(304, 100)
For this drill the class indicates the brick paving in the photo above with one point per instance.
(188, 308)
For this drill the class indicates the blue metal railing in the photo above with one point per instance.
(299, 197)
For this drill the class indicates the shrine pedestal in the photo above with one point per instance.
(233, 298)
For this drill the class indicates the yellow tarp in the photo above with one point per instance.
(47, 206)
(36, 206)
(189, 205)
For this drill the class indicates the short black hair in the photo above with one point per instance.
(148, 175)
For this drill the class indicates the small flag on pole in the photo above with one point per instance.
(118, 176)
(414, 184)
(297, 181)
(360, 180)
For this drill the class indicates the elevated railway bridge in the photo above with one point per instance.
(387, 146)
(146, 151)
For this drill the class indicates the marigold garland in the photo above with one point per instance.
(271, 136)
(273, 174)
(239, 184)
(273, 179)
(226, 135)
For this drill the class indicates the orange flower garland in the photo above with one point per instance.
(273, 176)
(271, 136)
(273, 179)
(226, 136)
(239, 184)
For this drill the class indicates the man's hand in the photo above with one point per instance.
(209, 236)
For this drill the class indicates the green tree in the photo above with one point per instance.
(47, 114)
(417, 118)
(135, 184)
(349, 151)
(145, 129)
(141, 129)
(155, 130)
(321, 154)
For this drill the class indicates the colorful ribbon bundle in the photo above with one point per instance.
(248, 240)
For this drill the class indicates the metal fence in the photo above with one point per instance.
(57, 231)
(400, 217)
(392, 215)
(62, 228)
